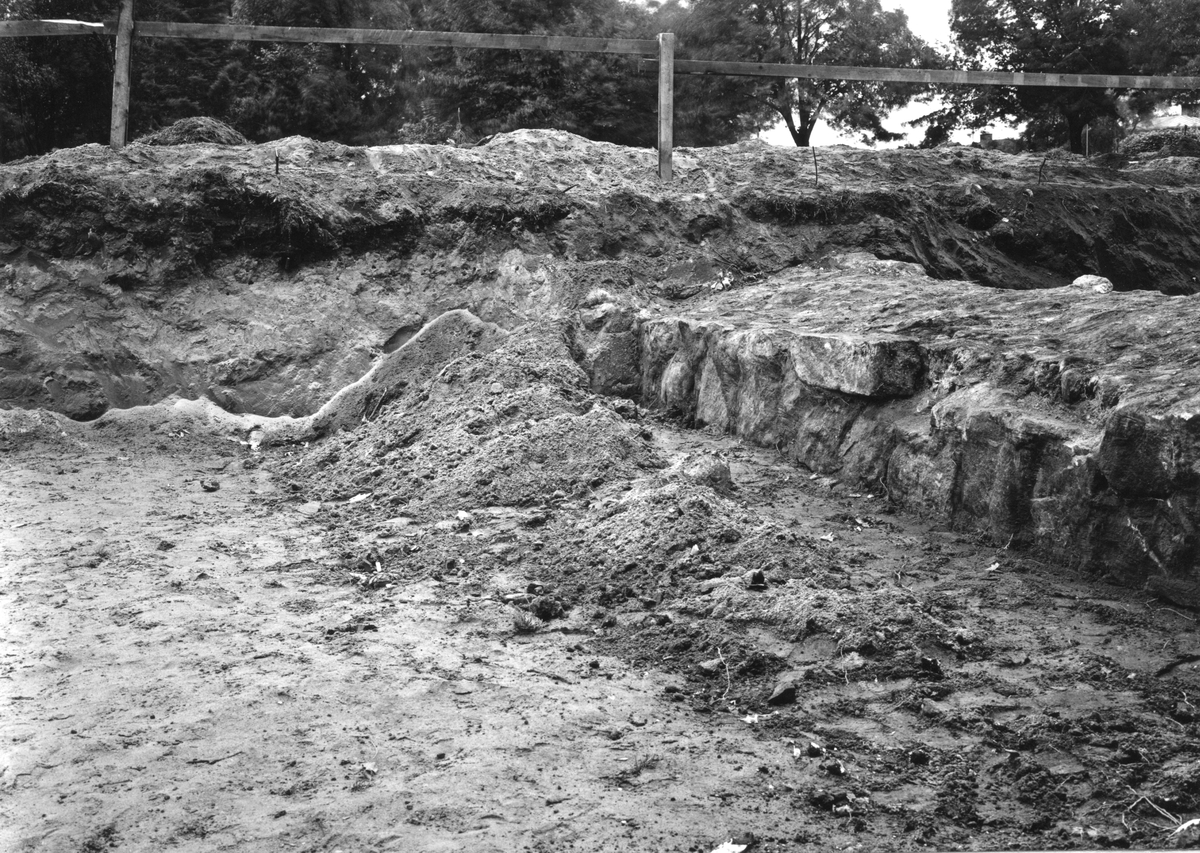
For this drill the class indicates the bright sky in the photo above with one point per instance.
(930, 19)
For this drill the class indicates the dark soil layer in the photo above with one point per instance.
(1006, 221)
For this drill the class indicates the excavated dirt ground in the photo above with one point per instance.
(496, 595)
(540, 625)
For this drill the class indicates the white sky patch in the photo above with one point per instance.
(929, 19)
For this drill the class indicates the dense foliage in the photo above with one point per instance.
(1156, 37)
(54, 92)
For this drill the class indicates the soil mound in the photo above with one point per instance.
(512, 427)
(449, 337)
(333, 253)
(188, 131)
(1168, 142)
(23, 429)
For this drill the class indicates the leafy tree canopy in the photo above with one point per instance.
(481, 92)
(1066, 36)
(54, 92)
(1069, 36)
(808, 32)
(353, 93)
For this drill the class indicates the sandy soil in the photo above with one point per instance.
(197, 669)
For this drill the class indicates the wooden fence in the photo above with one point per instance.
(660, 50)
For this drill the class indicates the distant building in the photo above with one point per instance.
(1176, 115)
(1008, 146)
(1164, 122)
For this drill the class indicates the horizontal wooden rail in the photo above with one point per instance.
(636, 47)
(922, 75)
(415, 38)
(14, 29)
(324, 35)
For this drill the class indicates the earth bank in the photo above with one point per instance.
(266, 278)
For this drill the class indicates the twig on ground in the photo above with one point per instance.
(550, 675)
(213, 760)
(1169, 610)
(1166, 814)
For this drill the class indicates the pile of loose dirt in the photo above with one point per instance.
(21, 429)
(449, 337)
(913, 682)
(1168, 142)
(189, 131)
(512, 427)
(513, 439)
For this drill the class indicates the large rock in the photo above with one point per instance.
(1042, 420)
(607, 340)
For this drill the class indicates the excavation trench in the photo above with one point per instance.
(560, 510)
(949, 399)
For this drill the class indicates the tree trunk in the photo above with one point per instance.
(1075, 126)
(802, 133)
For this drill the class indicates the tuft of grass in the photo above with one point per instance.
(526, 623)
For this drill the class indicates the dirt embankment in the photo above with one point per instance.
(268, 277)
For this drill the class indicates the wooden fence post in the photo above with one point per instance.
(120, 97)
(666, 103)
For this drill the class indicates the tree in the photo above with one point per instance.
(809, 32)
(173, 78)
(353, 93)
(716, 110)
(490, 91)
(1163, 37)
(1063, 36)
(54, 92)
